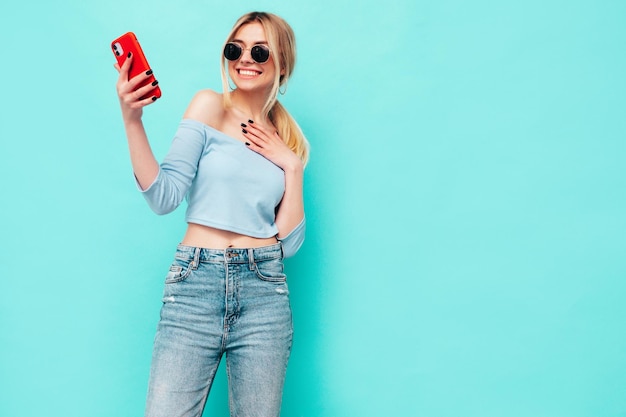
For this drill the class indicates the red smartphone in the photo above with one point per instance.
(128, 43)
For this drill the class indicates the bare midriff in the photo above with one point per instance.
(209, 237)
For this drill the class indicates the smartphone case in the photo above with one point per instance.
(128, 43)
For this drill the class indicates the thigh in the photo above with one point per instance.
(256, 377)
(260, 343)
(188, 343)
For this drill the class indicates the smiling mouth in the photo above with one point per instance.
(248, 73)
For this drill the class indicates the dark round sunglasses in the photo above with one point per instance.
(260, 53)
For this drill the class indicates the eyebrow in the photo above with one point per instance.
(253, 43)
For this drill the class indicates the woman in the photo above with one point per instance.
(239, 158)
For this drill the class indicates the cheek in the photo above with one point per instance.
(281, 70)
(230, 69)
(269, 68)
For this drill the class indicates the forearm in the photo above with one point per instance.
(145, 165)
(291, 210)
(129, 92)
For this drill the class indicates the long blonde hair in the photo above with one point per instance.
(282, 43)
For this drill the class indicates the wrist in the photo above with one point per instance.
(295, 167)
(132, 122)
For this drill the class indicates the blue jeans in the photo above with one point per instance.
(232, 301)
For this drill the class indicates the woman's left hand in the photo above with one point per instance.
(270, 145)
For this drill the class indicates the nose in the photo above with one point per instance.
(246, 55)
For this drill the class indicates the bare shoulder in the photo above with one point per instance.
(206, 107)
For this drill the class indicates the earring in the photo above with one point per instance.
(282, 92)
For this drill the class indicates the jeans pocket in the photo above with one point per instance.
(271, 271)
(179, 271)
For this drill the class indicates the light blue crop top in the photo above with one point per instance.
(227, 185)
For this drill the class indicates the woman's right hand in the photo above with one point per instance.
(128, 93)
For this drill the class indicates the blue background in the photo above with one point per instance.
(466, 204)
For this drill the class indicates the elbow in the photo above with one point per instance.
(161, 211)
(162, 206)
(290, 250)
(294, 240)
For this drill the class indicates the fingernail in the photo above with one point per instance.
(155, 83)
(149, 72)
(247, 143)
(244, 130)
(250, 121)
(154, 98)
(244, 125)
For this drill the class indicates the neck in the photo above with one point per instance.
(249, 103)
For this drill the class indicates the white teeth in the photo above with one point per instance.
(248, 72)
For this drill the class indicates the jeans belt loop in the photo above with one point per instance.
(196, 259)
(251, 259)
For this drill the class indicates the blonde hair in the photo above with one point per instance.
(282, 43)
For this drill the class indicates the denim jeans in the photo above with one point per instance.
(232, 301)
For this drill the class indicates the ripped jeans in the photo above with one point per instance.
(232, 301)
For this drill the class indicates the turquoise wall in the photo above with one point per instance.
(466, 203)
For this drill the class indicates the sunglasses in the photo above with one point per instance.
(260, 53)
